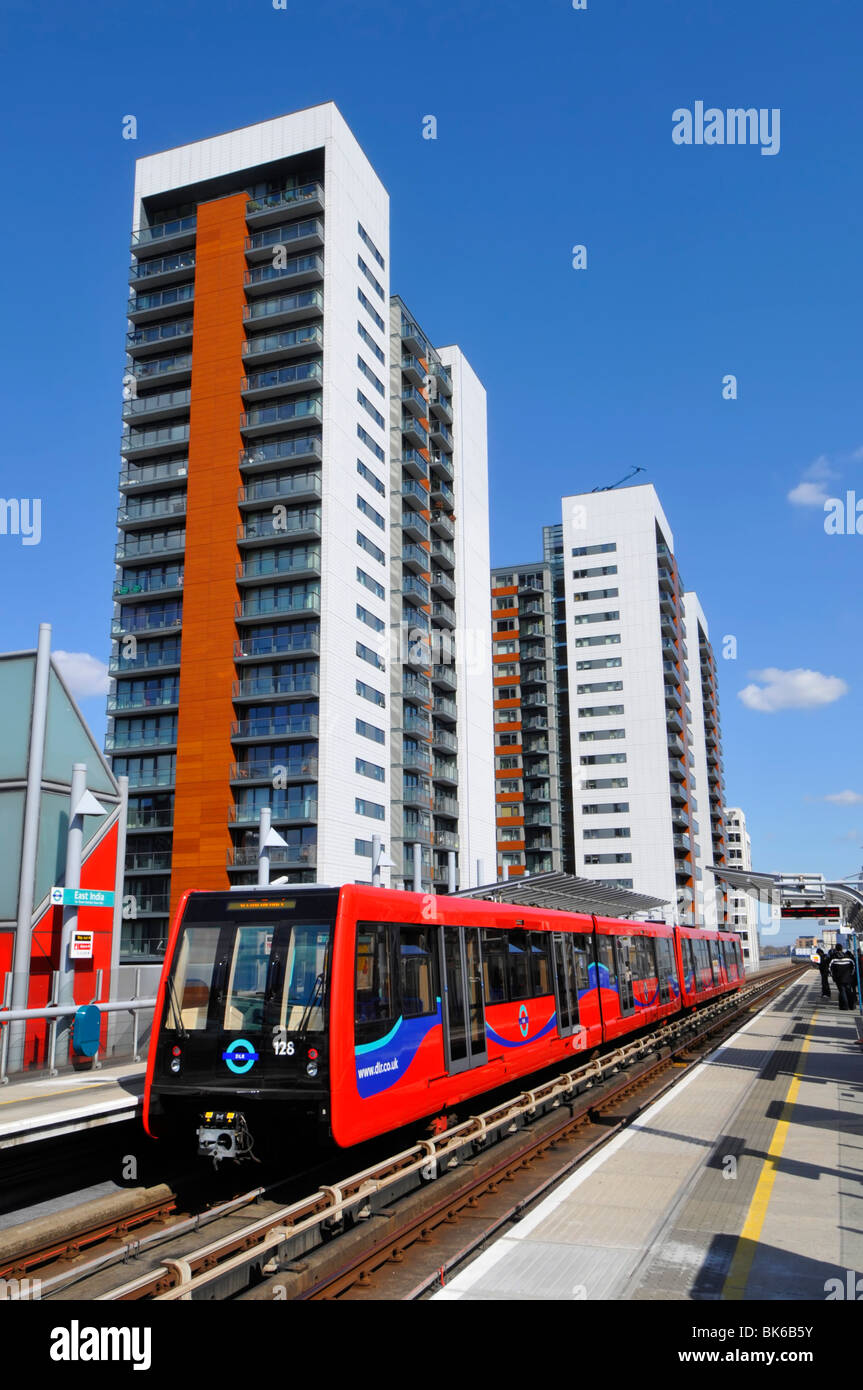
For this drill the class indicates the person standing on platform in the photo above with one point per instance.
(824, 969)
(842, 971)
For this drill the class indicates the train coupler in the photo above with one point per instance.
(224, 1134)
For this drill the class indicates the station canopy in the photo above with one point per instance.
(798, 889)
(566, 893)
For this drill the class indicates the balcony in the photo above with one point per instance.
(262, 687)
(172, 544)
(285, 726)
(298, 236)
(150, 621)
(445, 839)
(144, 583)
(254, 608)
(413, 338)
(265, 418)
(446, 770)
(295, 448)
(538, 818)
(416, 465)
(674, 723)
(297, 270)
(152, 861)
(442, 409)
(416, 687)
(299, 768)
(417, 828)
(414, 526)
(416, 722)
(413, 369)
(268, 383)
(442, 465)
(145, 778)
(417, 759)
(538, 700)
(442, 584)
(442, 738)
(442, 376)
(414, 432)
(445, 708)
(297, 487)
(120, 702)
(682, 843)
(287, 812)
(282, 856)
(167, 236)
(443, 614)
(441, 434)
(154, 441)
(268, 529)
(266, 347)
(443, 552)
(142, 307)
(153, 371)
(144, 660)
(415, 558)
(415, 590)
(174, 333)
(666, 580)
(299, 643)
(161, 270)
(302, 563)
(141, 510)
(286, 308)
(414, 402)
(414, 495)
(442, 524)
(146, 475)
(161, 818)
(444, 676)
(125, 742)
(308, 197)
(158, 405)
(677, 769)
(440, 491)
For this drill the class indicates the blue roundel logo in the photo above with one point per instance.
(240, 1056)
(523, 1021)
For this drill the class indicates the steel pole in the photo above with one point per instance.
(264, 822)
(418, 867)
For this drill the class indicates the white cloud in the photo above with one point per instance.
(844, 798)
(811, 490)
(83, 674)
(791, 690)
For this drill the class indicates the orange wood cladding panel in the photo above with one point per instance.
(204, 754)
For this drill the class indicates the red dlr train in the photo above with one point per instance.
(353, 1011)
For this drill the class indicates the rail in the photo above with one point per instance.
(55, 1011)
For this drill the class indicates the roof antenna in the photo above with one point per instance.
(631, 474)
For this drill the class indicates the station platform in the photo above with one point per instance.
(743, 1182)
(40, 1107)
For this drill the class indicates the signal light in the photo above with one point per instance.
(175, 1051)
(313, 1054)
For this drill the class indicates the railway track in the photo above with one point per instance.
(398, 1228)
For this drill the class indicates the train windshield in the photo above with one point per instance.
(242, 964)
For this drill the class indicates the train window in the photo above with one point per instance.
(247, 978)
(581, 955)
(193, 978)
(688, 958)
(518, 965)
(303, 1001)
(374, 1004)
(540, 975)
(607, 972)
(714, 961)
(494, 956)
(416, 972)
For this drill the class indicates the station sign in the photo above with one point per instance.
(82, 897)
(81, 945)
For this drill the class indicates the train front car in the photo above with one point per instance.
(712, 963)
(240, 1049)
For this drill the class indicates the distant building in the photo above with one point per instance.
(742, 906)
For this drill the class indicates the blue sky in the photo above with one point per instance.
(554, 128)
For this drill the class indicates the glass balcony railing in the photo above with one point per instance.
(276, 528)
(287, 602)
(294, 265)
(287, 725)
(284, 304)
(149, 777)
(303, 409)
(151, 368)
(281, 236)
(286, 810)
(157, 437)
(160, 332)
(124, 702)
(306, 683)
(296, 446)
(157, 738)
(309, 336)
(283, 855)
(155, 544)
(142, 405)
(284, 376)
(283, 562)
(286, 198)
(157, 860)
(266, 489)
(168, 298)
(283, 643)
(147, 508)
(144, 659)
(146, 622)
(415, 587)
(264, 772)
(144, 583)
(161, 471)
(161, 265)
(160, 231)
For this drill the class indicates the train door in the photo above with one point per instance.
(565, 983)
(623, 957)
(463, 1013)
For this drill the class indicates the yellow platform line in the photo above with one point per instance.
(737, 1278)
(42, 1095)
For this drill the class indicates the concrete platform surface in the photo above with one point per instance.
(743, 1182)
(45, 1107)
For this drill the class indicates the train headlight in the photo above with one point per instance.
(312, 1068)
(175, 1065)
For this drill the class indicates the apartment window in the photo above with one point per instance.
(504, 625)
(370, 444)
(364, 848)
(368, 692)
(503, 581)
(508, 785)
(506, 692)
(370, 343)
(594, 759)
(375, 284)
(594, 573)
(512, 760)
(371, 477)
(369, 374)
(595, 549)
(371, 311)
(597, 687)
(369, 808)
(507, 648)
(608, 859)
(370, 770)
(592, 711)
(510, 857)
(608, 617)
(510, 832)
(366, 579)
(370, 409)
(610, 639)
(606, 808)
(511, 808)
(370, 548)
(504, 740)
(591, 735)
(602, 663)
(370, 244)
(370, 731)
(506, 669)
(370, 656)
(595, 593)
(596, 784)
(613, 832)
(369, 619)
